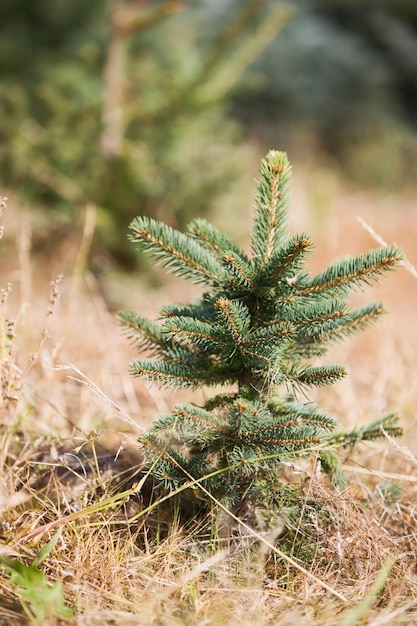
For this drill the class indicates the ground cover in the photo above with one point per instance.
(350, 553)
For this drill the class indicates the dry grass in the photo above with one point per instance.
(350, 557)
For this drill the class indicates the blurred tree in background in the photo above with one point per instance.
(97, 101)
(97, 98)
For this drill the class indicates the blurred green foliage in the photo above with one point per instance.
(346, 71)
(172, 71)
(106, 104)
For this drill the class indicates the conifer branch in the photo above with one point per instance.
(181, 375)
(344, 276)
(270, 220)
(319, 376)
(235, 318)
(220, 400)
(309, 316)
(141, 331)
(168, 465)
(355, 320)
(203, 311)
(198, 415)
(292, 412)
(188, 424)
(266, 334)
(373, 431)
(191, 330)
(286, 442)
(240, 272)
(290, 257)
(361, 318)
(214, 240)
(259, 358)
(178, 252)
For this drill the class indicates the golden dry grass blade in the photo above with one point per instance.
(404, 263)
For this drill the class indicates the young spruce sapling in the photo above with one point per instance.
(256, 328)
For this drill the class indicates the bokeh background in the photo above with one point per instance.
(164, 107)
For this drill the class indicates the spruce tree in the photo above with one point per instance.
(256, 329)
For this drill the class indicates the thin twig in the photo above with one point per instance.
(84, 380)
(404, 263)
